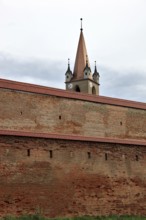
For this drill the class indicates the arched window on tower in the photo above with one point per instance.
(93, 90)
(77, 88)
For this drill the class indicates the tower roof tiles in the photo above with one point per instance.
(81, 58)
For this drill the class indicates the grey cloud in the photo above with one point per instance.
(33, 71)
(129, 85)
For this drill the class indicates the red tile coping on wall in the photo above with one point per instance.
(72, 137)
(26, 87)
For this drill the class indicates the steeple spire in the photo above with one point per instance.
(68, 69)
(68, 72)
(95, 70)
(96, 75)
(68, 65)
(81, 57)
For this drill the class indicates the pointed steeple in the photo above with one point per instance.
(82, 80)
(68, 73)
(68, 69)
(95, 70)
(96, 74)
(81, 60)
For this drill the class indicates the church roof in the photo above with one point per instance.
(81, 58)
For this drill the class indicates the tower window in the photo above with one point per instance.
(121, 123)
(77, 88)
(51, 153)
(89, 155)
(59, 117)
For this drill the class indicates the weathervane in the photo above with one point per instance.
(81, 23)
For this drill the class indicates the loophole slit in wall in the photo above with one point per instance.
(51, 153)
(89, 155)
(28, 152)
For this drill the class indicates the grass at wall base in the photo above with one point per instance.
(37, 217)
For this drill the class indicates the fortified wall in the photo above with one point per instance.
(25, 107)
(69, 154)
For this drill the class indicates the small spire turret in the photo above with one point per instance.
(96, 74)
(87, 69)
(68, 70)
(95, 69)
(68, 73)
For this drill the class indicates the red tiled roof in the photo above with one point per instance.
(26, 87)
(72, 137)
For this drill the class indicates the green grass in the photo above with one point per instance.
(37, 217)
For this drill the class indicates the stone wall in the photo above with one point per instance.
(71, 178)
(51, 114)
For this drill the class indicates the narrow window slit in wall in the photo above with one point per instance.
(51, 153)
(105, 156)
(89, 155)
(28, 152)
(59, 117)
(21, 113)
(121, 123)
(136, 157)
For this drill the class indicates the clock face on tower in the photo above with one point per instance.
(70, 86)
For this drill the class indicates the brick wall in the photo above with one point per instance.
(62, 177)
(68, 178)
(50, 114)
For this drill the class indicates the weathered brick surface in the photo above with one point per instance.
(81, 178)
(70, 183)
(44, 113)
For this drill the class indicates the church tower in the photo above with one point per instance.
(82, 79)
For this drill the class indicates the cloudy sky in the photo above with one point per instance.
(38, 36)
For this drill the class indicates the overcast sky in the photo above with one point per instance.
(38, 36)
